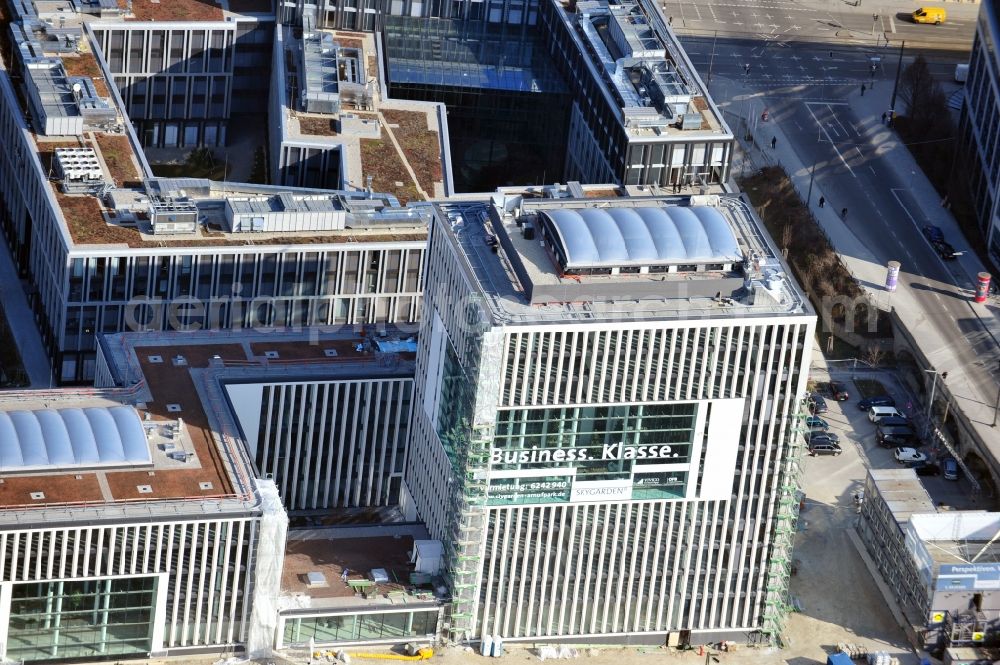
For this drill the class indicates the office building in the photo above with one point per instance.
(370, 15)
(978, 127)
(128, 531)
(184, 68)
(942, 568)
(625, 105)
(605, 421)
(641, 114)
(216, 492)
(108, 247)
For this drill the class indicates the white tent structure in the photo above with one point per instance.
(96, 436)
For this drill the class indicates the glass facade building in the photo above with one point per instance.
(979, 129)
(508, 107)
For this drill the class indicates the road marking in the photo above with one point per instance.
(900, 202)
(828, 138)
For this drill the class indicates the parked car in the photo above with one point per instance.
(909, 456)
(839, 392)
(825, 448)
(877, 413)
(927, 469)
(824, 437)
(896, 438)
(895, 421)
(817, 423)
(933, 233)
(817, 405)
(950, 469)
(878, 400)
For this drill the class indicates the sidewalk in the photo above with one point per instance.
(964, 380)
(22, 323)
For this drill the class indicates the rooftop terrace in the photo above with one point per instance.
(395, 142)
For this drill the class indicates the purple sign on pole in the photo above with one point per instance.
(891, 276)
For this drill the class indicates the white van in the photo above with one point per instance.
(877, 413)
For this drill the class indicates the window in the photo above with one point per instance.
(81, 619)
(358, 627)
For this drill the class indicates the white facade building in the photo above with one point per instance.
(607, 392)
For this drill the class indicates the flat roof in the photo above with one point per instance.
(639, 63)
(521, 274)
(171, 390)
(902, 492)
(323, 555)
(367, 126)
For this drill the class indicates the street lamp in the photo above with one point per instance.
(711, 60)
(895, 86)
(997, 405)
(812, 174)
(930, 404)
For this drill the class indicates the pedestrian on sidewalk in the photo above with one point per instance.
(843, 214)
(822, 201)
(746, 69)
(863, 88)
(670, 20)
(774, 142)
(884, 116)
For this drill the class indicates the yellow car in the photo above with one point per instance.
(935, 15)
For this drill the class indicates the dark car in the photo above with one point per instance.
(950, 469)
(895, 421)
(817, 423)
(944, 250)
(933, 233)
(825, 448)
(824, 437)
(817, 405)
(927, 469)
(896, 438)
(839, 391)
(878, 400)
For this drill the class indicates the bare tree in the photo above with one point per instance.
(920, 92)
(874, 355)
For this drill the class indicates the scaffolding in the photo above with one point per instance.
(470, 466)
(777, 600)
(967, 629)
(470, 489)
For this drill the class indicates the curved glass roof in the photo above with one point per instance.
(615, 237)
(93, 436)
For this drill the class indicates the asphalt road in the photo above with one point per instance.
(804, 87)
(839, 21)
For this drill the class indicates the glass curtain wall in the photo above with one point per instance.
(359, 627)
(81, 619)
